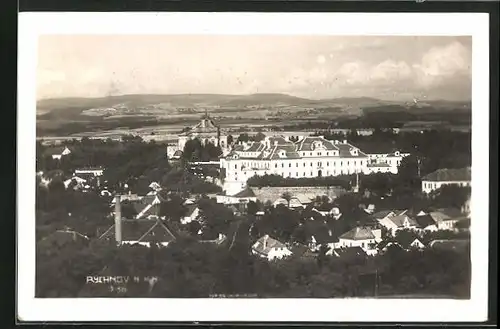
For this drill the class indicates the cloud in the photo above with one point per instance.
(440, 64)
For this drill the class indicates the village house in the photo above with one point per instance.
(398, 222)
(192, 213)
(446, 218)
(144, 232)
(78, 183)
(328, 211)
(425, 223)
(441, 177)
(57, 152)
(96, 172)
(245, 196)
(348, 253)
(363, 237)
(270, 248)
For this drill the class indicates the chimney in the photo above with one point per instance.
(345, 141)
(118, 220)
(265, 240)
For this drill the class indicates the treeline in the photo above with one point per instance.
(131, 162)
(187, 269)
(273, 180)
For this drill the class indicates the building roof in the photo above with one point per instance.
(382, 214)
(444, 214)
(358, 233)
(245, 193)
(142, 230)
(349, 253)
(206, 125)
(265, 244)
(191, 207)
(449, 175)
(399, 220)
(424, 221)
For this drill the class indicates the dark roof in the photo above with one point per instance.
(444, 214)
(320, 231)
(399, 220)
(301, 251)
(381, 214)
(349, 253)
(142, 231)
(449, 175)
(246, 193)
(424, 221)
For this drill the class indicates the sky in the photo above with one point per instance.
(315, 67)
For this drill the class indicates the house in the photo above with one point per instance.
(319, 234)
(425, 223)
(363, 237)
(144, 232)
(329, 211)
(299, 251)
(348, 253)
(140, 231)
(270, 248)
(398, 222)
(191, 214)
(78, 181)
(441, 177)
(96, 172)
(244, 196)
(446, 218)
(127, 197)
(57, 152)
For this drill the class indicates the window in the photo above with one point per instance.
(290, 165)
(341, 163)
(311, 164)
(319, 153)
(319, 164)
(296, 174)
(304, 174)
(327, 163)
(235, 166)
(347, 162)
(297, 164)
(354, 162)
(275, 165)
(304, 164)
(282, 165)
(362, 244)
(327, 153)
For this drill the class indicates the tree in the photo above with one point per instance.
(230, 139)
(453, 196)
(259, 137)
(288, 197)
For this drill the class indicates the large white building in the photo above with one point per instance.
(441, 177)
(310, 156)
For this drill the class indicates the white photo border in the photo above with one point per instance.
(32, 25)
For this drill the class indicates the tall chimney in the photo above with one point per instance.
(118, 219)
(265, 240)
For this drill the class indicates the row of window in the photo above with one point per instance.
(319, 164)
(438, 185)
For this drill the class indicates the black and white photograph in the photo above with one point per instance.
(200, 164)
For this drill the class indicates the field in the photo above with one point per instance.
(167, 115)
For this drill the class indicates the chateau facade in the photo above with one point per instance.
(310, 156)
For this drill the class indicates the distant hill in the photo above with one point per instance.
(114, 111)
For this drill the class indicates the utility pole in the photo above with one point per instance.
(376, 282)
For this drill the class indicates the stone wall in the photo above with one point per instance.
(273, 193)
